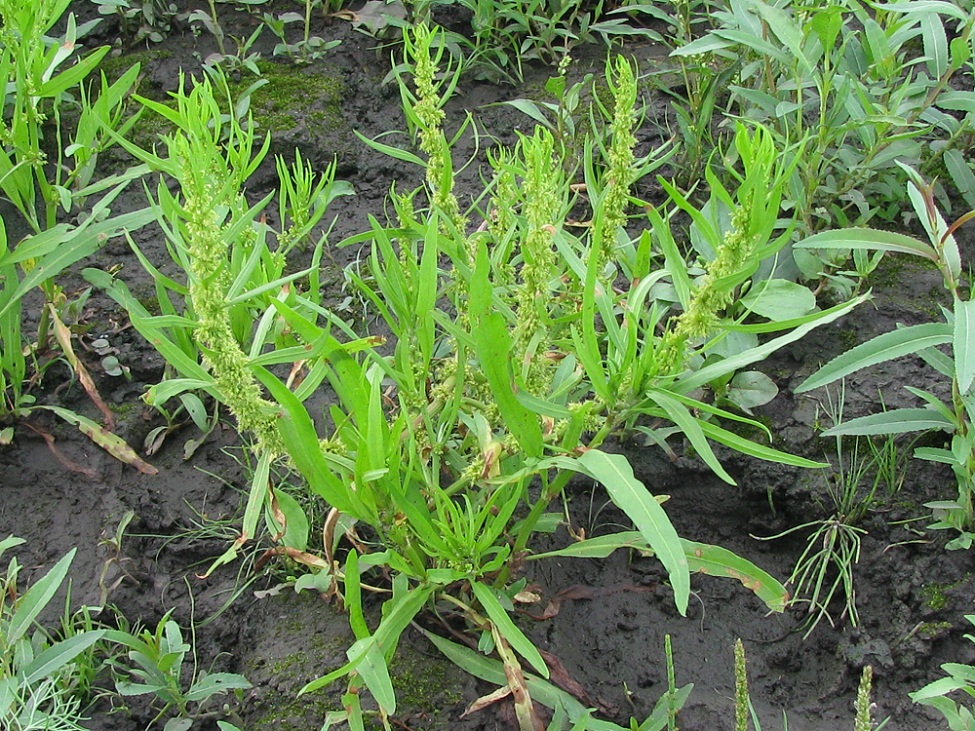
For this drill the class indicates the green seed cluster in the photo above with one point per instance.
(430, 116)
(541, 199)
(621, 172)
(702, 315)
(211, 196)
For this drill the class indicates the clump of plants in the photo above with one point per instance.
(46, 172)
(517, 349)
(847, 91)
(48, 679)
(955, 363)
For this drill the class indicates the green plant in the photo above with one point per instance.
(37, 81)
(243, 58)
(960, 677)
(39, 673)
(149, 20)
(116, 559)
(813, 75)
(211, 21)
(155, 666)
(955, 417)
(257, 273)
(308, 48)
(36, 84)
(703, 79)
(507, 33)
(825, 569)
(805, 64)
(231, 63)
(512, 362)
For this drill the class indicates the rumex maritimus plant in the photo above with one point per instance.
(513, 360)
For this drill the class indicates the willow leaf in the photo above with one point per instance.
(894, 344)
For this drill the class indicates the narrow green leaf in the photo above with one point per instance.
(353, 597)
(935, 43)
(492, 341)
(911, 7)
(298, 432)
(934, 454)
(614, 472)
(709, 373)
(701, 558)
(375, 674)
(599, 547)
(36, 599)
(870, 239)
(394, 152)
(295, 521)
(963, 344)
(691, 428)
(786, 30)
(515, 637)
(214, 684)
(58, 655)
(890, 345)
(754, 449)
(895, 421)
(961, 174)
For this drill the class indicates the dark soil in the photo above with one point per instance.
(911, 593)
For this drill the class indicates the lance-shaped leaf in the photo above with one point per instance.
(701, 558)
(515, 637)
(614, 472)
(894, 344)
(963, 344)
(870, 239)
(896, 421)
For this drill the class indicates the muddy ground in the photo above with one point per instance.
(609, 632)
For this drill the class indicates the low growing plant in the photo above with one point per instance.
(155, 665)
(960, 678)
(142, 20)
(38, 672)
(307, 48)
